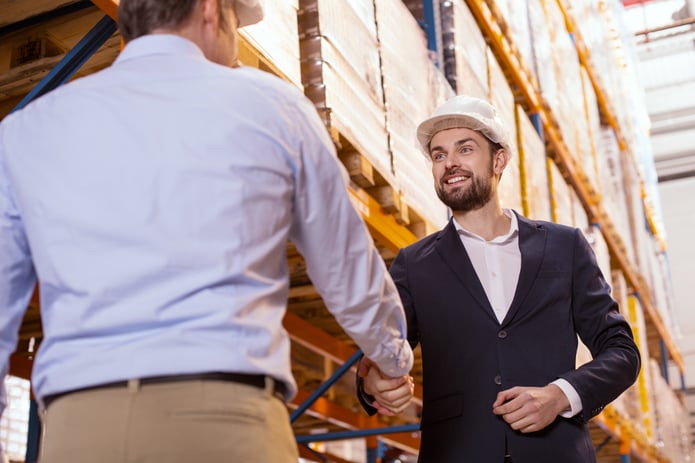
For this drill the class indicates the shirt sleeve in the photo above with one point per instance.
(572, 396)
(340, 255)
(17, 276)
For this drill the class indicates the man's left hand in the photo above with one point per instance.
(530, 409)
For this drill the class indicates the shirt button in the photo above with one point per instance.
(498, 380)
(494, 274)
(502, 334)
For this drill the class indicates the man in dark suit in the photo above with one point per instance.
(496, 302)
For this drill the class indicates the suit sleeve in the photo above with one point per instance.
(399, 273)
(616, 359)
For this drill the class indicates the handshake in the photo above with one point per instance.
(388, 395)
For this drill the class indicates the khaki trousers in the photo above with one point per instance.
(178, 422)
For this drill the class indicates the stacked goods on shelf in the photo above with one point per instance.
(589, 148)
(568, 99)
(671, 426)
(542, 53)
(276, 37)
(613, 59)
(515, 15)
(465, 51)
(341, 74)
(533, 168)
(612, 181)
(603, 257)
(502, 98)
(581, 220)
(561, 198)
(636, 398)
(648, 257)
(413, 88)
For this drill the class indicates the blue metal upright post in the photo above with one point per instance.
(73, 60)
(664, 360)
(33, 434)
(538, 125)
(325, 386)
(340, 435)
(430, 12)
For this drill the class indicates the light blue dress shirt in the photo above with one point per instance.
(154, 200)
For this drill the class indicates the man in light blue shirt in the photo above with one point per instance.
(153, 202)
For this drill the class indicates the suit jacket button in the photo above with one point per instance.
(502, 334)
(498, 380)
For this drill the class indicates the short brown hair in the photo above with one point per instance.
(140, 17)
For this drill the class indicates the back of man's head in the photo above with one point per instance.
(141, 17)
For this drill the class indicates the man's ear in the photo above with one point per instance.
(500, 161)
(210, 10)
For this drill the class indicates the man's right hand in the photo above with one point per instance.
(392, 395)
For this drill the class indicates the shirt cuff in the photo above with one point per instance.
(572, 395)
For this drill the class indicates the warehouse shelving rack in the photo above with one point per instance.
(393, 234)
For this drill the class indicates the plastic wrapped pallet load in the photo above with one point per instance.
(612, 181)
(671, 427)
(277, 37)
(533, 167)
(502, 98)
(561, 198)
(470, 51)
(410, 97)
(340, 66)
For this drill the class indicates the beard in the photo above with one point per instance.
(466, 198)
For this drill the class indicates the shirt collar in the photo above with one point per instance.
(159, 44)
(510, 235)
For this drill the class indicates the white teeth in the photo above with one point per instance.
(456, 179)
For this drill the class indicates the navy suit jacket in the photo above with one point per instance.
(468, 356)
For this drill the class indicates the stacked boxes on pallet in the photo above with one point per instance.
(533, 167)
(502, 98)
(611, 179)
(672, 424)
(563, 212)
(413, 88)
(342, 76)
(469, 52)
(276, 37)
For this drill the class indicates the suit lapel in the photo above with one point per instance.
(532, 237)
(454, 254)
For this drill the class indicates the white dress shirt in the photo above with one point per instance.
(154, 201)
(497, 264)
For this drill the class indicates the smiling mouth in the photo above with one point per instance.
(457, 179)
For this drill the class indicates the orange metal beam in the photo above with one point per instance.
(494, 30)
(110, 7)
(383, 227)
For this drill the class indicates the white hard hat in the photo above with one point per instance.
(248, 11)
(464, 112)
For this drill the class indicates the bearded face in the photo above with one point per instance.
(463, 190)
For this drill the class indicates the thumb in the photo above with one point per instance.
(364, 367)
